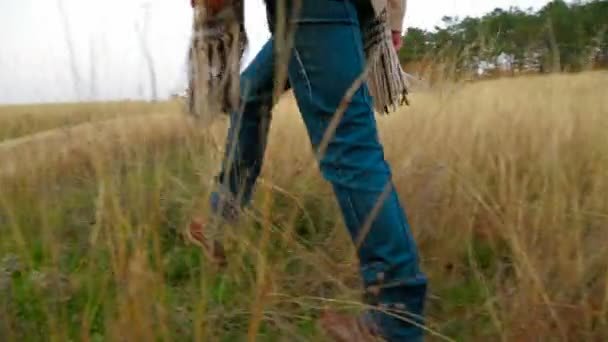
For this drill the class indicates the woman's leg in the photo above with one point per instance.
(327, 58)
(247, 135)
(243, 156)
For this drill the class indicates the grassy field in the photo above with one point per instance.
(505, 183)
(17, 121)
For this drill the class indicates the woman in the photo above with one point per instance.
(327, 57)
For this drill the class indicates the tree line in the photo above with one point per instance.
(558, 37)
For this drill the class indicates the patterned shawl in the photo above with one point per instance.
(218, 43)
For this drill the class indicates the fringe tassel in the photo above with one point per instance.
(387, 81)
(217, 46)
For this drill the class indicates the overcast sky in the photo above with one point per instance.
(91, 49)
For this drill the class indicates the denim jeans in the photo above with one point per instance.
(327, 57)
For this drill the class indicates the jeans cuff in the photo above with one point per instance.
(224, 206)
(398, 301)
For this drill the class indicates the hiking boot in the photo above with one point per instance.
(212, 248)
(345, 328)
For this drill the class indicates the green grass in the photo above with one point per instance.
(133, 208)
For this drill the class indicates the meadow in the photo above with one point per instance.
(505, 183)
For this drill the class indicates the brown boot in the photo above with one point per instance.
(213, 249)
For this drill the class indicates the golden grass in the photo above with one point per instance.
(505, 184)
(20, 120)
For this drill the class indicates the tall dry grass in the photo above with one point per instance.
(21, 120)
(505, 184)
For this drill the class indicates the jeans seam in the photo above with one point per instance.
(302, 68)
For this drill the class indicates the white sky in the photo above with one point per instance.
(109, 63)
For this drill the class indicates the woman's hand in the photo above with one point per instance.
(397, 42)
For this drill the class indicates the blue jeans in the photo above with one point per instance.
(327, 57)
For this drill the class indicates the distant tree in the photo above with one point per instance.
(559, 36)
(414, 45)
